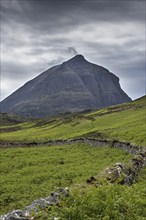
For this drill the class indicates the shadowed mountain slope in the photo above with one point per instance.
(73, 86)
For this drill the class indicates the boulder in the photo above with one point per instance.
(15, 215)
(112, 174)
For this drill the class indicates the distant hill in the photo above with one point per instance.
(73, 86)
(8, 119)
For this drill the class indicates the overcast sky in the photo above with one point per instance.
(37, 34)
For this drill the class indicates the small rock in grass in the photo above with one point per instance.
(64, 191)
(113, 173)
(53, 198)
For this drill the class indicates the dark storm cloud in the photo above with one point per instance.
(38, 34)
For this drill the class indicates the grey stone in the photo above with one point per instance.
(42, 203)
(64, 191)
(121, 165)
(37, 205)
(53, 198)
(15, 215)
(129, 179)
(112, 173)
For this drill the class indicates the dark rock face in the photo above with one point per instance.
(75, 85)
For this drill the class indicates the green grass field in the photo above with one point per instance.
(30, 173)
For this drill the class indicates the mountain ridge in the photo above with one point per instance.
(73, 86)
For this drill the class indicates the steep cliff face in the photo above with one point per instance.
(73, 86)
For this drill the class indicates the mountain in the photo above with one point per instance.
(73, 86)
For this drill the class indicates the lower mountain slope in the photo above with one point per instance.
(125, 122)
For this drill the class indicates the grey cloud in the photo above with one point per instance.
(36, 35)
(72, 51)
(43, 50)
(55, 15)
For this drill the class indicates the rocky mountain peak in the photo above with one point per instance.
(74, 86)
(78, 59)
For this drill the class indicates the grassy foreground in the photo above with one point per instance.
(31, 173)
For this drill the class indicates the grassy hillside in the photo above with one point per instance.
(31, 173)
(9, 119)
(124, 122)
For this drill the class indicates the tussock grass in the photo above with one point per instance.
(31, 173)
